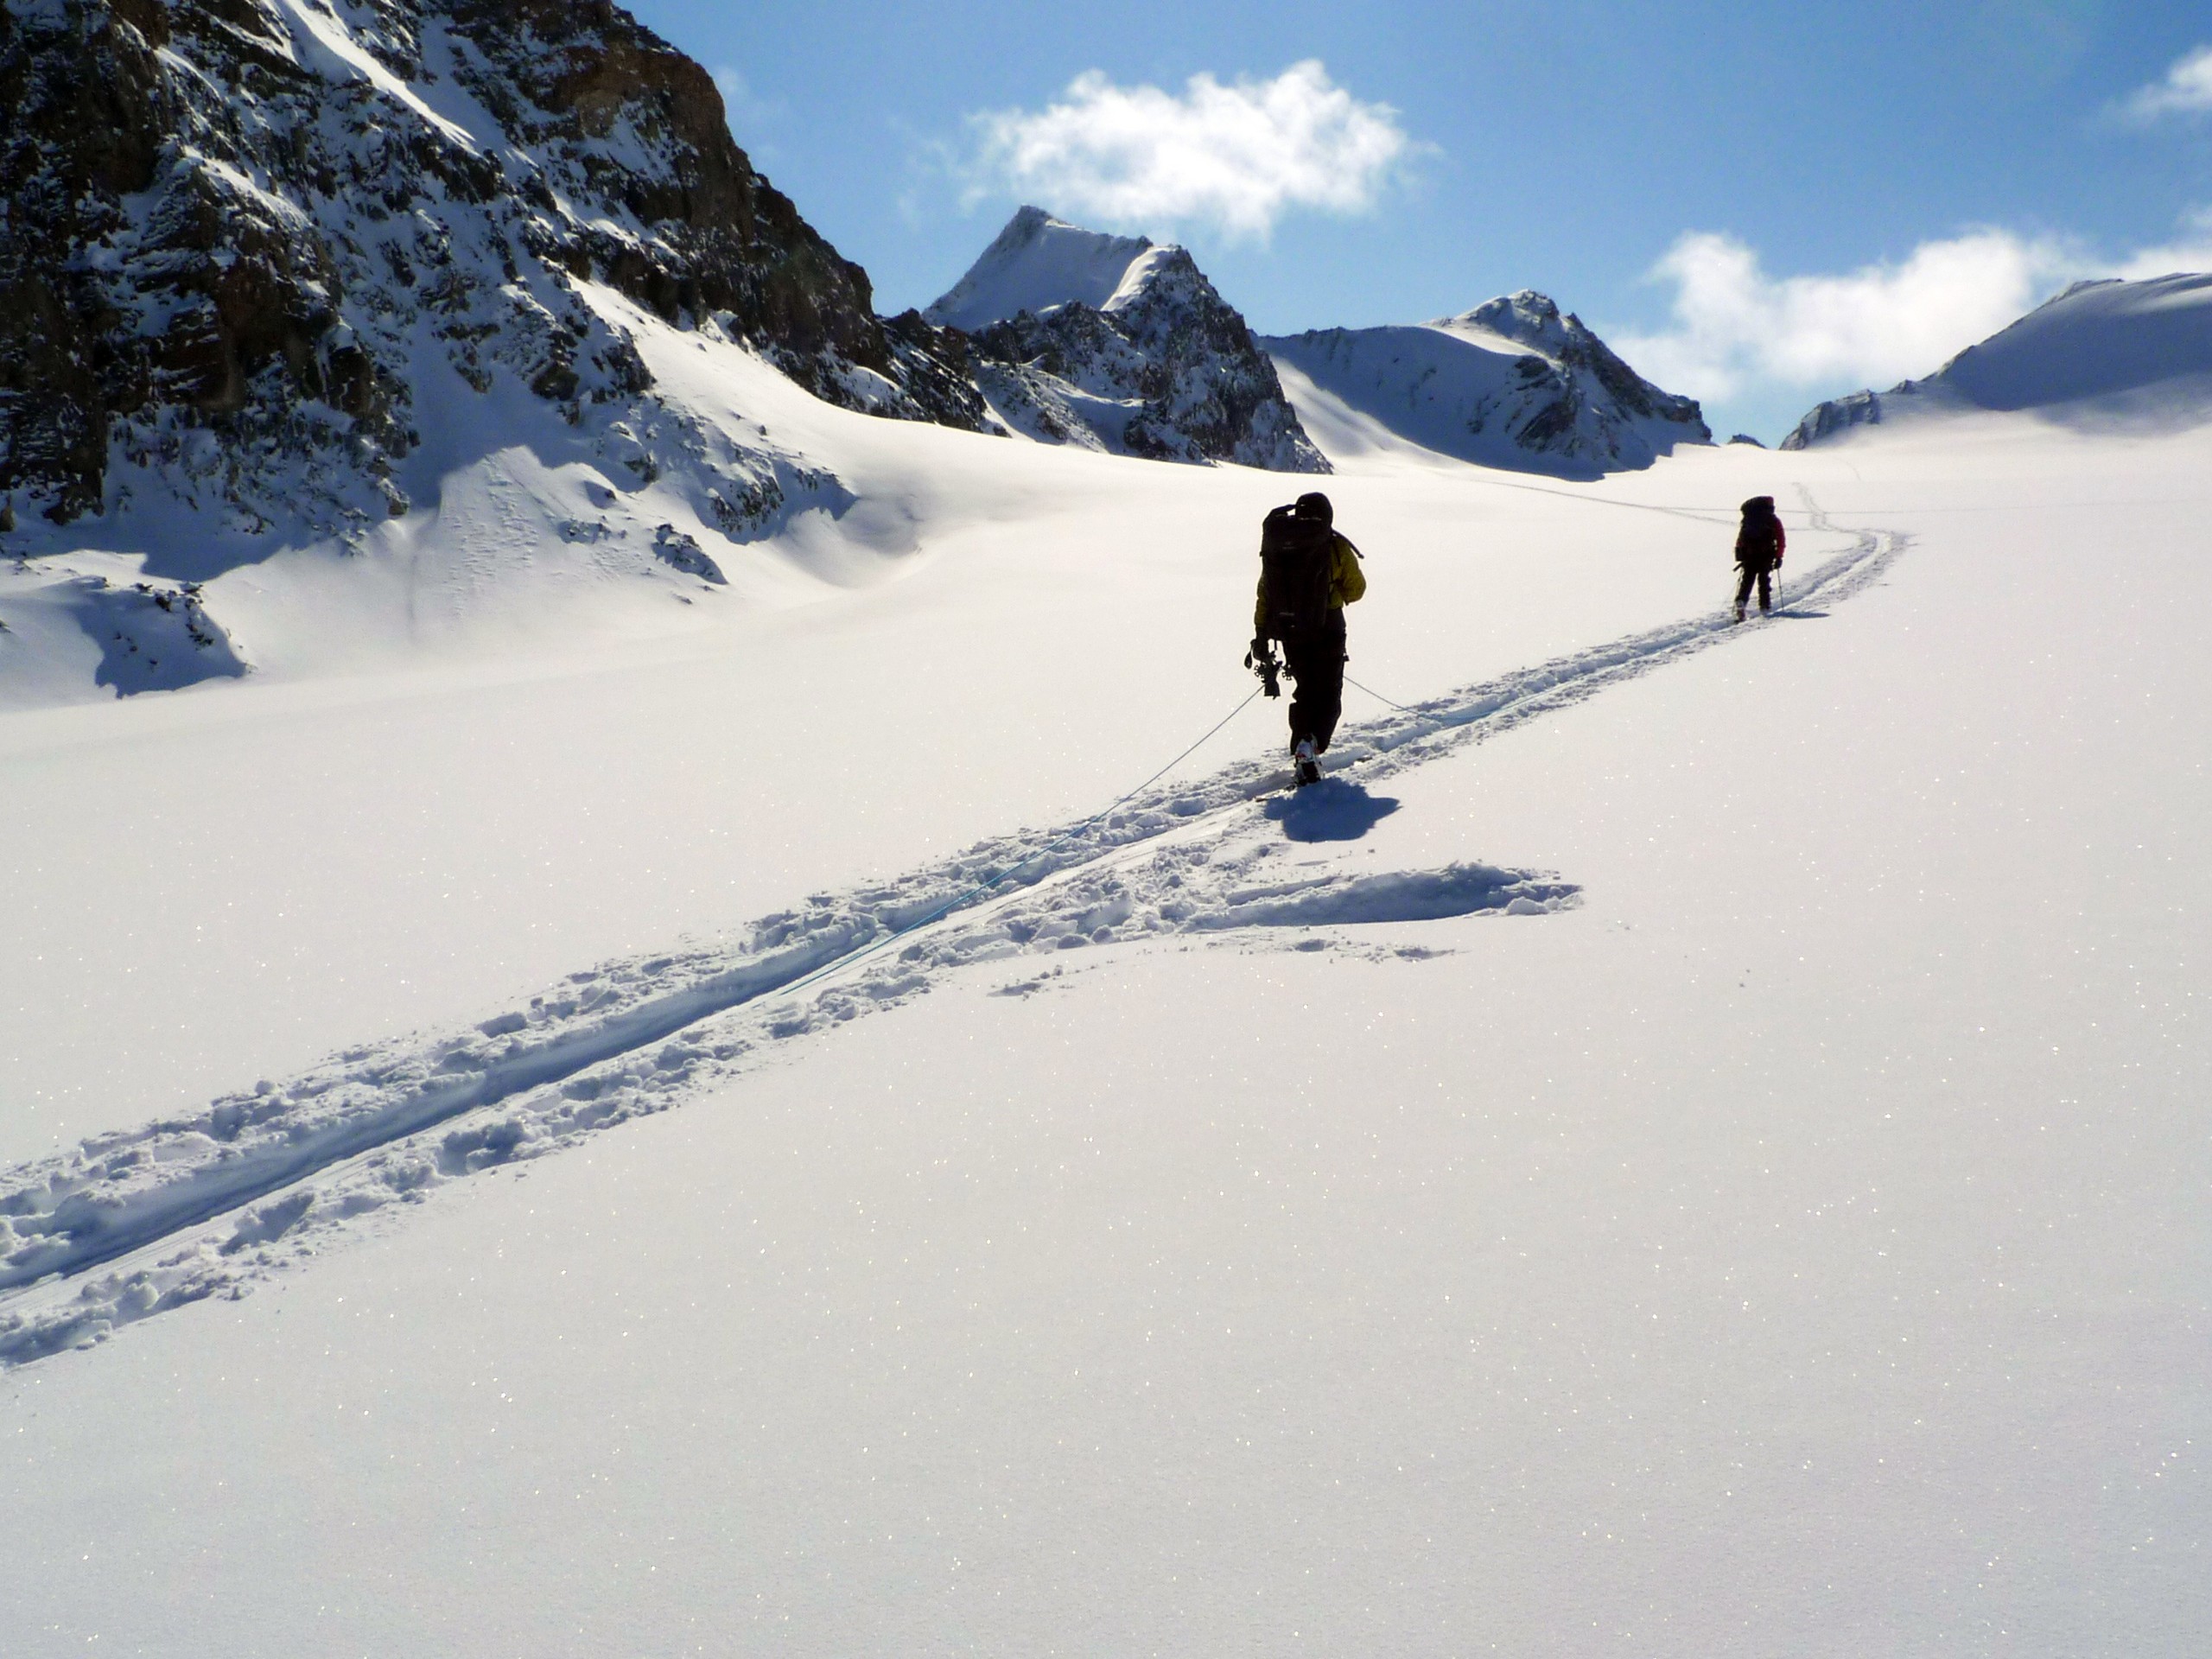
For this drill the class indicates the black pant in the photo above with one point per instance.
(1765, 576)
(1316, 662)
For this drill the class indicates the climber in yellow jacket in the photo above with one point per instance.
(1308, 573)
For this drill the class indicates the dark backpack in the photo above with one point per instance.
(1755, 541)
(1297, 558)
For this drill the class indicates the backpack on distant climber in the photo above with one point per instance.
(1296, 561)
(1755, 541)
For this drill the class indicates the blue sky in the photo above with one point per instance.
(1761, 204)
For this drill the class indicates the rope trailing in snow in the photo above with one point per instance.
(1702, 515)
(1006, 875)
(1379, 697)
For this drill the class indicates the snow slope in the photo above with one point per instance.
(315, 885)
(117, 1196)
(1038, 262)
(1510, 384)
(319, 345)
(2102, 351)
(1687, 1143)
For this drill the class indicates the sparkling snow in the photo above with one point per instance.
(1691, 1143)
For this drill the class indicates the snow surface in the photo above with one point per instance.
(659, 746)
(1039, 262)
(1688, 1142)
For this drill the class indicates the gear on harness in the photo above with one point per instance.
(1261, 659)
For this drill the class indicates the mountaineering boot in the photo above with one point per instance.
(1739, 612)
(1309, 766)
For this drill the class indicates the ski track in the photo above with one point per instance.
(133, 1222)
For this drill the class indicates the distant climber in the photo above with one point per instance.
(1758, 553)
(1308, 573)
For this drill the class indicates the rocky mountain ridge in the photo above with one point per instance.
(253, 252)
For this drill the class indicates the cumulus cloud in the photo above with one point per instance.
(1735, 327)
(2187, 90)
(2191, 252)
(1234, 158)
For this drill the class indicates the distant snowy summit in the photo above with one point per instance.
(1119, 344)
(1036, 263)
(2133, 350)
(1514, 382)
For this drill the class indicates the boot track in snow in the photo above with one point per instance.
(130, 1222)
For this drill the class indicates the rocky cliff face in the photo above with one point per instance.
(254, 254)
(1582, 371)
(1514, 382)
(1116, 344)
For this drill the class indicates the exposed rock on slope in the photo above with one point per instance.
(1834, 415)
(1116, 344)
(257, 254)
(1513, 383)
(2134, 349)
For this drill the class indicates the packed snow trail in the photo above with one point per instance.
(130, 1222)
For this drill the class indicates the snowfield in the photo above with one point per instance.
(1689, 1141)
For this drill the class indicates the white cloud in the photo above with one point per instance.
(1740, 337)
(2193, 252)
(1234, 158)
(2187, 90)
(1736, 327)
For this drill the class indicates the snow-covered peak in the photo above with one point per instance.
(1121, 344)
(2096, 339)
(1527, 319)
(1159, 262)
(1514, 382)
(2138, 348)
(1038, 262)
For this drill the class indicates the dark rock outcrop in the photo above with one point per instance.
(238, 237)
(1825, 420)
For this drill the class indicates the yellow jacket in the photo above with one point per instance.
(1347, 581)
